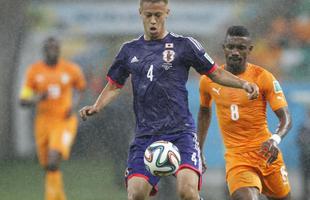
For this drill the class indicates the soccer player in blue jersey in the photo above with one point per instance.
(159, 63)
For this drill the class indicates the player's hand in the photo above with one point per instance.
(270, 151)
(252, 90)
(87, 111)
(42, 96)
(203, 163)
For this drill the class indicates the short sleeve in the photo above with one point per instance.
(79, 79)
(272, 91)
(205, 97)
(118, 72)
(198, 58)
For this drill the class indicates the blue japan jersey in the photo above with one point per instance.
(159, 72)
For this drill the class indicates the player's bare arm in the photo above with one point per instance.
(109, 92)
(270, 148)
(204, 119)
(226, 78)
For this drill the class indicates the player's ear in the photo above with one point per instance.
(140, 11)
(168, 11)
(251, 48)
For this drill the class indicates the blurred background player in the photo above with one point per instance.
(254, 162)
(159, 63)
(303, 141)
(49, 85)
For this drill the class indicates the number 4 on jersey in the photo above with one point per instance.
(150, 73)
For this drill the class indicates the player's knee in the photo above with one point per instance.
(188, 192)
(245, 194)
(287, 197)
(137, 195)
(52, 166)
(54, 158)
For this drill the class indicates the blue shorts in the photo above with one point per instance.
(185, 141)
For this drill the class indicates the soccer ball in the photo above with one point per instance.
(162, 158)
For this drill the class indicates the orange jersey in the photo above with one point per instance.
(58, 82)
(243, 122)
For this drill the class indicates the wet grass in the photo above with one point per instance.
(84, 180)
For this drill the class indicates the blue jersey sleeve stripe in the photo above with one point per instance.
(196, 43)
(175, 35)
(110, 80)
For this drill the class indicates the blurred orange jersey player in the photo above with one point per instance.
(49, 85)
(254, 162)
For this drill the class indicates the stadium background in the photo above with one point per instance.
(91, 33)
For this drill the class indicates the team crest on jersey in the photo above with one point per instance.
(168, 55)
(277, 87)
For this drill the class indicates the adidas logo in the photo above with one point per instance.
(134, 60)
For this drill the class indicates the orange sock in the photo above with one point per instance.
(54, 189)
